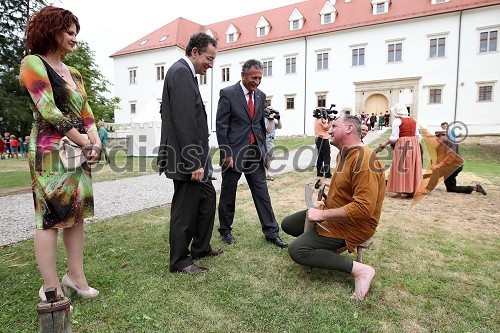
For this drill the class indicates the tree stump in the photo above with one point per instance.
(54, 315)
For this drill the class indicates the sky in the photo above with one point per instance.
(110, 25)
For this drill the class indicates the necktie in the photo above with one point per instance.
(251, 109)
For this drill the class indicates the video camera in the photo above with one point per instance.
(268, 112)
(325, 113)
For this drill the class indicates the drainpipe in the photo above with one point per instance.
(458, 65)
(305, 84)
(211, 100)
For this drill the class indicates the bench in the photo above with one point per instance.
(321, 196)
(359, 249)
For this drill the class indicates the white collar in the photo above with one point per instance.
(191, 66)
(245, 90)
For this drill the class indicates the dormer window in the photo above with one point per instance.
(232, 34)
(437, 2)
(212, 34)
(163, 38)
(143, 42)
(263, 27)
(328, 13)
(380, 6)
(296, 20)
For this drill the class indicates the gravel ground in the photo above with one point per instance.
(127, 195)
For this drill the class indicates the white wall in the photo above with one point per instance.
(474, 67)
(276, 86)
(338, 80)
(146, 87)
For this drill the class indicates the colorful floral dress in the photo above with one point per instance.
(62, 197)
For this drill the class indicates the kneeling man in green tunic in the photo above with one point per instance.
(351, 212)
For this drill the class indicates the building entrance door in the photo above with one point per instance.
(376, 103)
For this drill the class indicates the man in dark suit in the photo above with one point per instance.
(183, 156)
(241, 135)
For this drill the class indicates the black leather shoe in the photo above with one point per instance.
(191, 269)
(278, 242)
(211, 253)
(228, 238)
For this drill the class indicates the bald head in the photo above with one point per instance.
(345, 131)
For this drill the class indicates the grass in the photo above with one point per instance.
(295, 142)
(481, 156)
(15, 174)
(433, 275)
(437, 271)
(15, 177)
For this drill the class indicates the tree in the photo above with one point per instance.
(82, 58)
(15, 114)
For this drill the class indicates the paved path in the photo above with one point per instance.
(127, 195)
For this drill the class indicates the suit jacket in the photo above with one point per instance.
(234, 124)
(184, 144)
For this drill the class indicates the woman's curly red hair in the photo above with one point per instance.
(44, 27)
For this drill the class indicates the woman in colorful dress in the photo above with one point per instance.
(406, 168)
(63, 198)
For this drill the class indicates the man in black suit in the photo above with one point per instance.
(241, 134)
(183, 156)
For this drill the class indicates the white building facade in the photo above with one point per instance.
(443, 64)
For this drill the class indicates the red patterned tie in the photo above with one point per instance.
(251, 108)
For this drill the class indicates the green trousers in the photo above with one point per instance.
(311, 249)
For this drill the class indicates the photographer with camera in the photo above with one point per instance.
(323, 122)
(272, 120)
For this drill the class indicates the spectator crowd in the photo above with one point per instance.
(12, 146)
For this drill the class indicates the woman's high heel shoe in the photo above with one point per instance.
(41, 294)
(68, 284)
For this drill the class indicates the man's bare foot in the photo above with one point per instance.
(363, 276)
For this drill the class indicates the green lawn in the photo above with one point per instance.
(479, 157)
(295, 142)
(437, 270)
(435, 273)
(482, 159)
(15, 178)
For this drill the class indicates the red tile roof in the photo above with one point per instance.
(178, 31)
(357, 13)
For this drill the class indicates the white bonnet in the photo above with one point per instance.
(399, 109)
